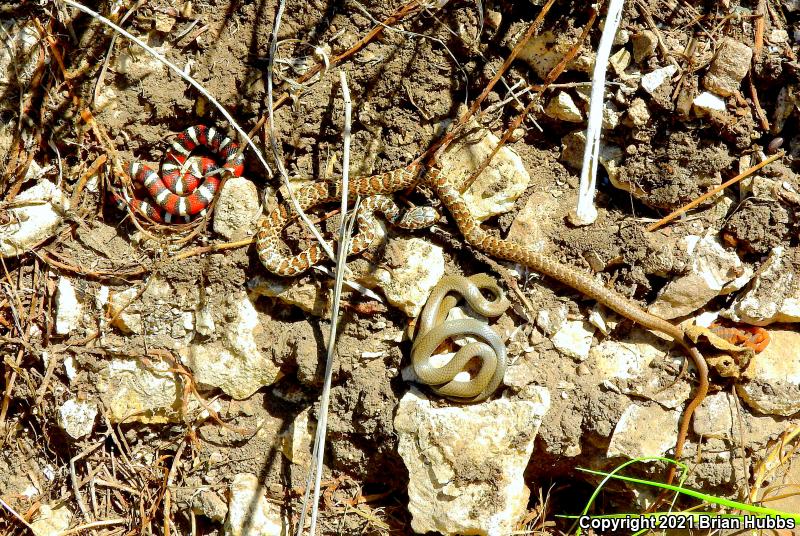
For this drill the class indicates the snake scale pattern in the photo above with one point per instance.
(268, 242)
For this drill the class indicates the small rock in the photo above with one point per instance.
(34, 216)
(411, 269)
(774, 293)
(237, 208)
(208, 503)
(714, 418)
(235, 364)
(298, 442)
(532, 222)
(249, 511)
(774, 386)
(498, 186)
(574, 339)
(52, 521)
(638, 113)
(77, 417)
(551, 319)
(644, 431)
(307, 295)
(644, 45)
(123, 314)
(712, 268)
(564, 108)
(466, 463)
(545, 50)
(204, 321)
(133, 392)
(620, 60)
(68, 309)
(707, 103)
(163, 23)
(653, 80)
(572, 147)
(728, 68)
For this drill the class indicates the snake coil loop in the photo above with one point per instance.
(434, 329)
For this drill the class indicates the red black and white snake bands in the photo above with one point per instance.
(183, 190)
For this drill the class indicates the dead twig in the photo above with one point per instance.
(749, 171)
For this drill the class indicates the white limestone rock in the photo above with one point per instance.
(52, 521)
(466, 463)
(707, 103)
(545, 50)
(298, 441)
(237, 208)
(774, 293)
(774, 386)
(653, 80)
(234, 364)
(574, 339)
(712, 271)
(77, 417)
(34, 215)
(132, 391)
(644, 431)
(68, 308)
(249, 511)
(564, 108)
(411, 268)
(715, 417)
(498, 186)
(307, 295)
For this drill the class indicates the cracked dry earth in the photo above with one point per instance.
(158, 380)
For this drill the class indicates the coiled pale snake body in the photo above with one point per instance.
(269, 236)
(433, 329)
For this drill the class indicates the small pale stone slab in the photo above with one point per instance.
(625, 360)
(77, 417)
(416, 267)
(573, 144)
(133, 392)
(307, 295)
(574, 339)
(774, 386)
(707, 102)
(729, 67)
(235, 364)
(52, 521)
(564, 108)
(466, 463)
(249, 511)
(711, 270)
(298, 442)
(773, 294)
(121, 310)
(715, 417)
(653, 80)
(498, 186)
(644, 431)
(532, 221)
(237, 208)
(68, 308)
(545, 50)
(35, 214)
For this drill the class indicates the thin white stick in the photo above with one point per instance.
(15, 514)
(585, 212)
(318, 454)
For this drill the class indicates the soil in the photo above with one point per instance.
(406, 86)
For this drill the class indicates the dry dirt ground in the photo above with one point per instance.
(405, 86)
